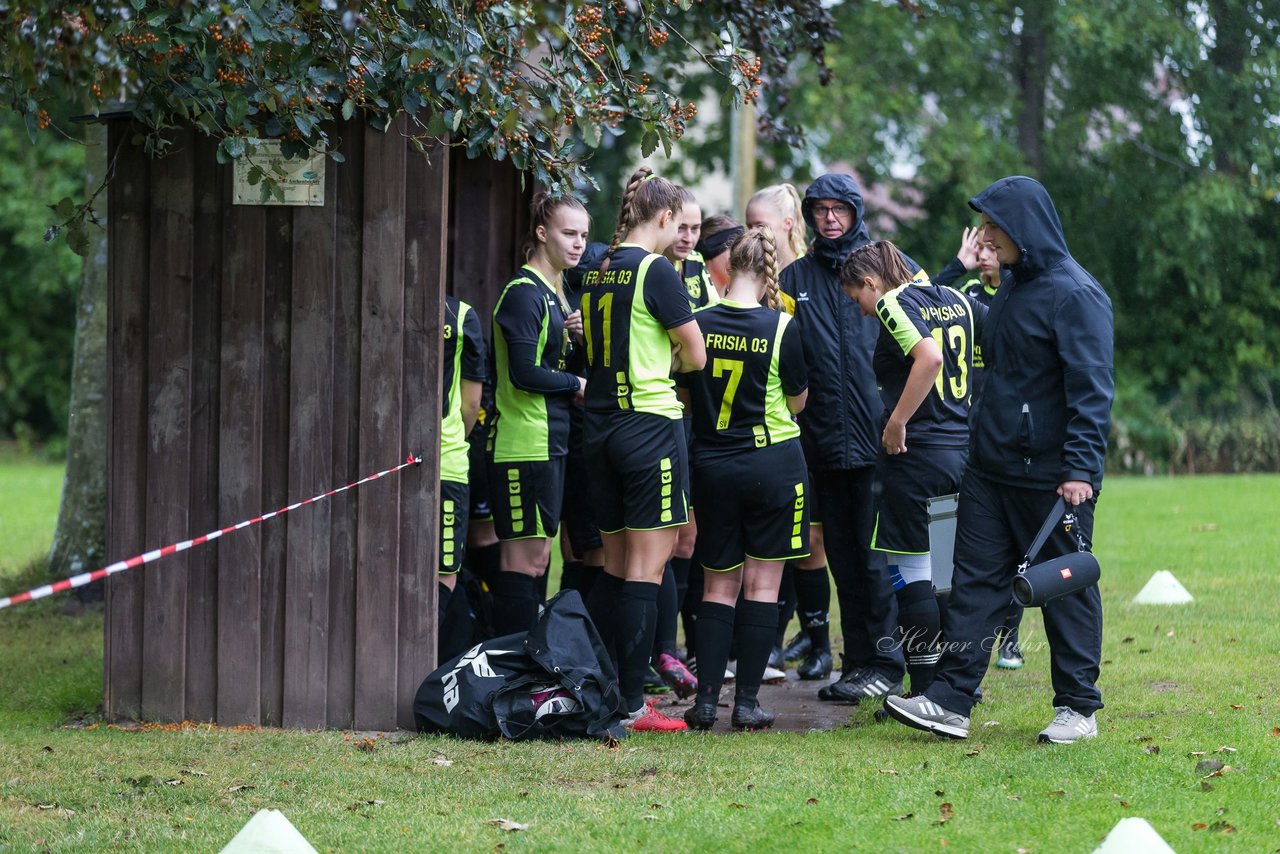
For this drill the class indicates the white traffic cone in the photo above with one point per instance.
(1133, 836)
(269, 832)
(1163, 589)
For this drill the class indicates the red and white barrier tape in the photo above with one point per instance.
(138, 560)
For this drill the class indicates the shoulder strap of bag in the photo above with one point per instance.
(1059, 507)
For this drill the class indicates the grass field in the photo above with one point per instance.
(29, 493)
(1178, 682)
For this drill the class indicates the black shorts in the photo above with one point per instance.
(903, 485)
(752, 503)
(576, 511)
(454, 509)
(639, 470)
(527, 496)
(478, 476)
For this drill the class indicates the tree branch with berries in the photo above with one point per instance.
(537, 82)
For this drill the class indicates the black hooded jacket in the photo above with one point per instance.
(840, 425)
(1045, 409)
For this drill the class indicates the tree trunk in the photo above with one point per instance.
(1032, 72)
(1227, 113)
(79, 541)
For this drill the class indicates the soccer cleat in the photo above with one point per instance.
(817, 665)
(676, 676)
(776, 661)
(701, 716)
(653, 683)
(649, 719)
(861, 684)
(798, 647)
(751, 718)
(1068, 727)
(922, 713)
(1010, 661)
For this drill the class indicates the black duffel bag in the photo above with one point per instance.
(555, 681)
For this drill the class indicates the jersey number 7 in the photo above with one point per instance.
(732, 367)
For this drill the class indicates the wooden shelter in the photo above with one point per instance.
(260, 355)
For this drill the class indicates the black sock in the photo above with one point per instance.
(571, 576)
(514, 606)
(443, 627)
(540, 587)
(485, 561)
(589, 575)
(918, 618)
(680, 566)
(637, 613)
(689, 612)
(813, 603)
(602, 605)
(757, 622)
(786, 602)
(443, 595)
(715, 634)
(664, 635)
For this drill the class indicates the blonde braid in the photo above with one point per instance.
(624, 213)
(770, 269)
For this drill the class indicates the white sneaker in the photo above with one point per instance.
(1068, 727)
(773, 674)
(729, 674)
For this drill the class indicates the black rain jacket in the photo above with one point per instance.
(1045, 407)
(840, 425)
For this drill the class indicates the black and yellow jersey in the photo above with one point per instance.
(908, 314)
(463, 357)
(755, 359)
(977, 290)
(697, 281)
(626, 312)
(532, 392)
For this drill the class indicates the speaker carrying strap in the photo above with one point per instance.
(1059, 507)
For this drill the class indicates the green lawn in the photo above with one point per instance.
(1186, 680)
(29, 493)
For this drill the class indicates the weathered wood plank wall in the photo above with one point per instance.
(259, 356)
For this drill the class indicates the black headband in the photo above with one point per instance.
(710, 247)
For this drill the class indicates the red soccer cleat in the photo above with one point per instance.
(650, 719)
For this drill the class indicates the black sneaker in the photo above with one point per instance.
(751, 718)
(817, 665)
(862, 685)
(798, 647)
(701, 716)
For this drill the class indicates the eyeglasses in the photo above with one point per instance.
(837, 211)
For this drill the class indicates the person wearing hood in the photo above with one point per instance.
(840, 434)
(1038, 431)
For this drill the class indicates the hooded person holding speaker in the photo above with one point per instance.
(1038, 431)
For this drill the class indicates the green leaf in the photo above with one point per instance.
(65, 207)
(590, 132)
(457, 120)
(237, 109)
(348, 109)
(255, 175)
(337, 157)
(648, 144)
